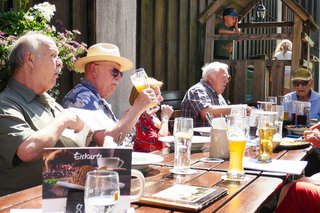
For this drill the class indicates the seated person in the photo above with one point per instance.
(302, 195)
(103, 69)
(149, 127)
(206, 95)
(302, 82)
(30, 119)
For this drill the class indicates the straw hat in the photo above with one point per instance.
(103, 52)
(301, 74)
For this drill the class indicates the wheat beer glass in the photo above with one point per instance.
(237, 131)
(266, 127)
(140, 79)
(182, 131)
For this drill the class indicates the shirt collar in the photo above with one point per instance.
(207, 86)
(90, 86)
(26, 93)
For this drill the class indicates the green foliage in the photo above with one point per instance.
(15, 23)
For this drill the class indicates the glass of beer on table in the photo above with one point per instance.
(237, 132)
(266, 127)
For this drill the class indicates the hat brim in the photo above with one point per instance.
(301, 78)
(124, 63)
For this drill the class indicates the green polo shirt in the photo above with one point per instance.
(22, 112)
(223, 48)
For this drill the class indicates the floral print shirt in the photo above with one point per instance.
(85, 96)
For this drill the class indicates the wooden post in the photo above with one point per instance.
(296, 42)
(209, 42)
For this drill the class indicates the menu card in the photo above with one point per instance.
(64, 173)
(283, 166)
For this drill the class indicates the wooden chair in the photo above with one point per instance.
(174, 99)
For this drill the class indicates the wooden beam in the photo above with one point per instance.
(265, 24)
(307, 39)
(248, 8)
(297, 9)
(209, 42)
(211, 9)
(296, 42)
(275, 36)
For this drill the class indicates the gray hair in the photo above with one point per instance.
(29, 42)
(213, 68)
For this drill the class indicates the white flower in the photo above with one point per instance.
(30, 18)
(46, 9)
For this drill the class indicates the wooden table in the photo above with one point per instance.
(245, 196)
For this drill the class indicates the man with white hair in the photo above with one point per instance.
(31, 120)
(103, 69)
(205, 96)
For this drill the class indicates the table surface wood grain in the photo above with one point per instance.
(244, 196)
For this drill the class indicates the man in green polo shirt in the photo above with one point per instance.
(30, 119)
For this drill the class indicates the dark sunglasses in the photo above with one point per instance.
(302, 83)
(115, 71)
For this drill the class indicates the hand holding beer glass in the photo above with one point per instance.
(141, 82)
(266, 125)
(237, 131)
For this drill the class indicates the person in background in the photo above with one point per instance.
(223, 48)
(149, 127)
(302, 82)
(284, 52)
(103, 69)
(302, 195)
(30, 119)
(206, 95)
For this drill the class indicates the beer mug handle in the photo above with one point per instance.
(139, 175)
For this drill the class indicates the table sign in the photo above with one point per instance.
(64, 172)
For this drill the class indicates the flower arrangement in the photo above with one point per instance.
(37, 18)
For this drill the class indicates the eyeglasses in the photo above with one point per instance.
(115, 71)
(302, 83)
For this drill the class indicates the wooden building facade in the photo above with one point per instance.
(170, 37)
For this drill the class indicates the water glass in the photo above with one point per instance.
(266, 126)
(272, 99)
(278, 123)
(182, 131)
(237, 132)
(101, 191)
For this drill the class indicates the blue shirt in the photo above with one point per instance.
(85, 96)
(314, 100)
(197, 98)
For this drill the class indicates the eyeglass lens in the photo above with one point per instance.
(116, 72)
(302, 83)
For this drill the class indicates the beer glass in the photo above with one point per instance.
(182, 131)
(140, 79)
(266, 125)
(237, 132)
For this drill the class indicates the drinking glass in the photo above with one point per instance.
(140, 79)
(237, 132)
(278, 123)
(240, 109)
(272, 99)
(101, 191)
(266, 126)
(182, 131)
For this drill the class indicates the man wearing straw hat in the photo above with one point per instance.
(103, 69)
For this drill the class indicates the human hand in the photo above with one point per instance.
(312, 136)
(72, 121)
(145, 99)
(166, 111)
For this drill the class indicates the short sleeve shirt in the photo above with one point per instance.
(314, 100)
(223, 48)
(197, 98)
(22, 112)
